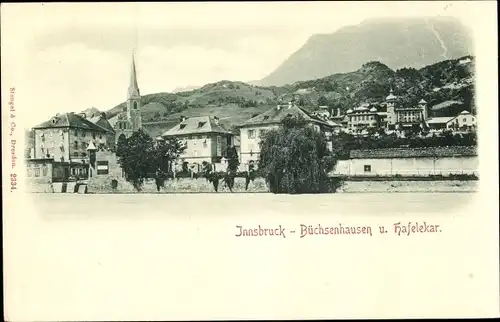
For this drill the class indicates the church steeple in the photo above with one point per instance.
(133, 88)
(134, 101)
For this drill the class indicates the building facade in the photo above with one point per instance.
(402, 117)
(253, 130)
(204, 137)
(364, 118)
(65, 138)
(463, 122)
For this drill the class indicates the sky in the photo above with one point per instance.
(70, 57)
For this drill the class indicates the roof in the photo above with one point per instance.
(391, 96)
(199, 124)
(275, 115)
(70, 120)
(464, 112)
(440, 120)
(102, 121)
(447, 151)
(422, 101)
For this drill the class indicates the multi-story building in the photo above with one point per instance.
(205, 139)
(403, 116)
(365, 117)
(65, 138)
(252, 130)
(465, 121)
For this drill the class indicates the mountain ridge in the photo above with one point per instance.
(396, 42)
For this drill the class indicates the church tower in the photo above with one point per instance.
(129, 120)
(134, 101)
(391, 106)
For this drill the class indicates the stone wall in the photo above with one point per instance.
(39, 185)
(181, 185)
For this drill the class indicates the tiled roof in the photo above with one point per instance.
(275, 115)
(440, 120)
(102, 121)
(449, 151)
(200, 124)
(70, 120)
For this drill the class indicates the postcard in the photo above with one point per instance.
(250, 160)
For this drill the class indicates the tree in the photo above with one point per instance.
(121, 145)
(163, 154)
(232, 159)
(295, 159)
(141, 157)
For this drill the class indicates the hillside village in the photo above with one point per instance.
(372, 102)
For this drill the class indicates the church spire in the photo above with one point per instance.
(133, 88)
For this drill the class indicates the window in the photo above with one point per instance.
(73, 171)
(37, 172)
(266, 117)
(182, 126)
(75, 144)
(44, 170)
(262, 132)
(135, 105)
(465, 120)
(102, 167)
(200, 124)
(205, 143)
(75, 132)
(251, 134)
(368, 168)
(30, 172)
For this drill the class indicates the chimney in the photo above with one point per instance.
(278, 107)
(83, 115)
(290, 104)
(216, 120)
(182, 118)
(338, 111)
(103, 115)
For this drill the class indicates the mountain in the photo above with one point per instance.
(397, 43)
(448, 86)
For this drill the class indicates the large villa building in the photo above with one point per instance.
(252, 130)
(205, 139)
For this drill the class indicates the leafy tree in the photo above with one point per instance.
(295, 159)
(141, 157)
(121, 145)
(232, 159)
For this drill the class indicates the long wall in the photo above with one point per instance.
(408, 166)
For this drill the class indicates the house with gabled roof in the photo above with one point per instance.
(205, 139)
(252, 130)
(102, 120)
(64, 139)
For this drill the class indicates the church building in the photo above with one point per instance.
(129, 120)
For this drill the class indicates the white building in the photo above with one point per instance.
(252, 130)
